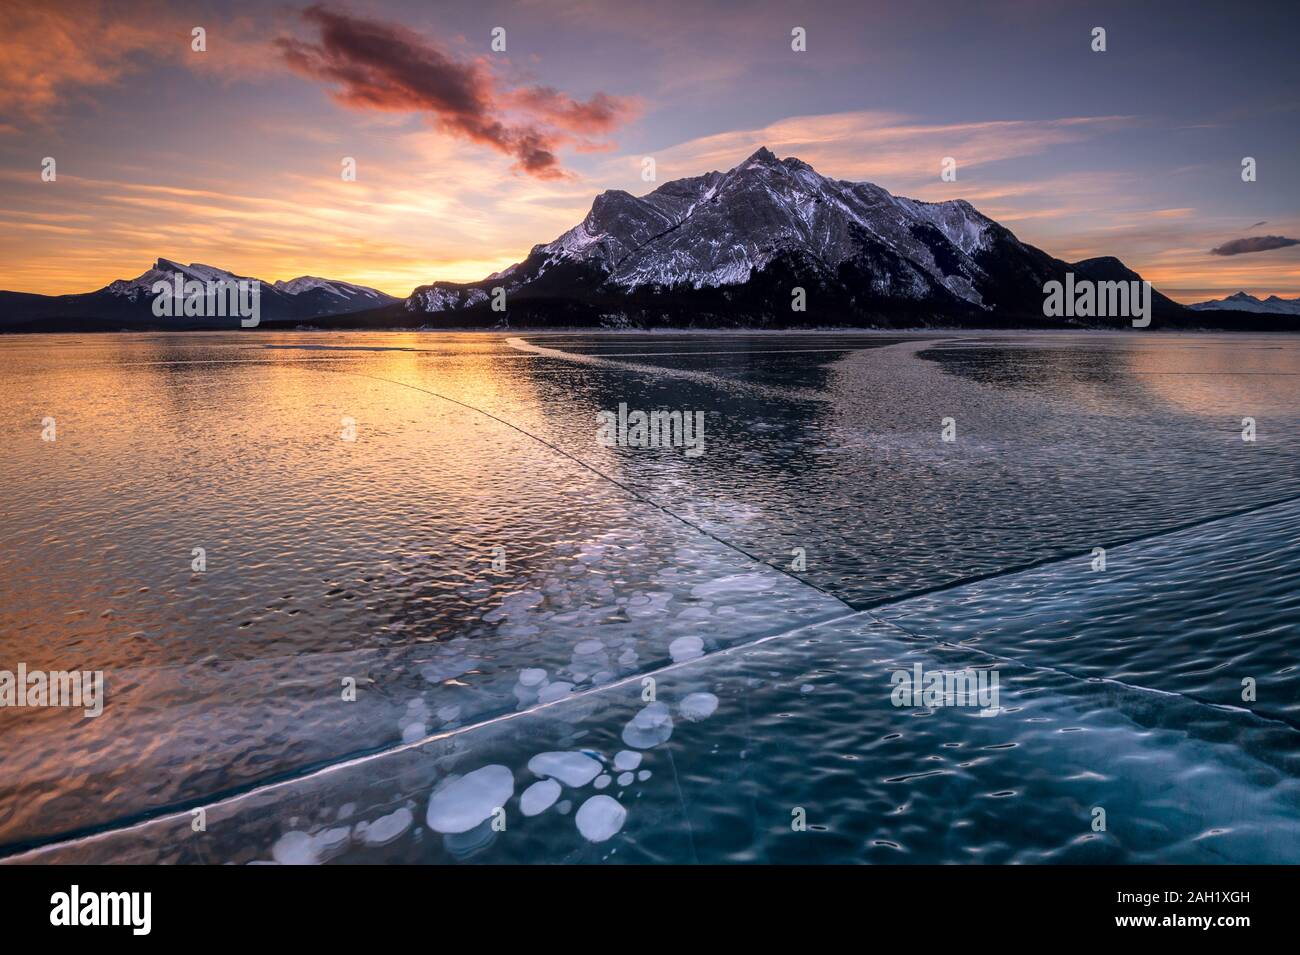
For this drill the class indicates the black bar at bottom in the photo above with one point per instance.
(601, 905)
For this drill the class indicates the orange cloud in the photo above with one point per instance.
(46, 50)
(50, 53)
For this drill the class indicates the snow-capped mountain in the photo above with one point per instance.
(722, 229)
(128, 302)
(164, 270)
(728, 248)
(1241, 302)
(332, 297)
(353, 295)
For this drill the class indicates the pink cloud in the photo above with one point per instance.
(376, 65)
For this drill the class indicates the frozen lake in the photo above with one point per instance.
(387, 597)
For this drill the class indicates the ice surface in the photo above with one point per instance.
(866, 444)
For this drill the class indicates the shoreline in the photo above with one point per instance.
(664, 330)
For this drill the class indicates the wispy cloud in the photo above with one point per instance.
(376, 65)
(1255, 243)
(884, 147)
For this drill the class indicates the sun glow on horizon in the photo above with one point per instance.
(232, 157)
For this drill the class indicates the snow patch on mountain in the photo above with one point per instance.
(443, 299)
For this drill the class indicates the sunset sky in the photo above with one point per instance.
(468, 157)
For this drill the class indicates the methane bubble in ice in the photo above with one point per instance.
(533, 676)
(514, 605)
(539, 797)
(602, 781)
(464, 803)
(652, 725)
(331, 842)
(295, 848)
(626, 759)
(600, 817)
(733, 587)
(388, 828)
(647, 605)
(686, 648)
(698, 706)
(625, 779)
(572, 769)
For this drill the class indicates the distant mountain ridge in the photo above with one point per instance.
(1241, 302)
(128, 302)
